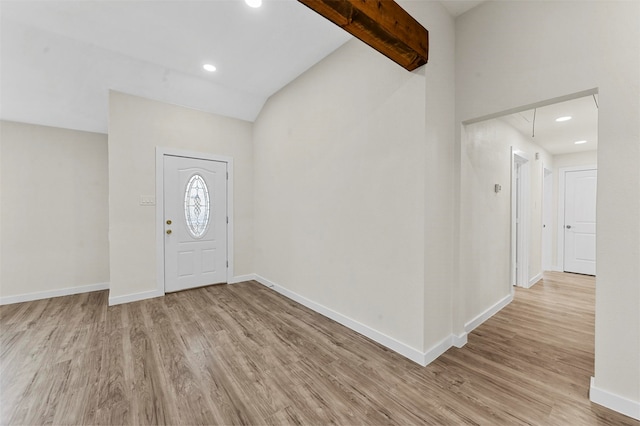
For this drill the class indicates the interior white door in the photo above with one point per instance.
(580, 221)
(195, 222)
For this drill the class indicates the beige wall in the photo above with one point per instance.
(485, 219)
(340, 186)
(136, 127)
(339, 190)
(54, 216)
(511, 54)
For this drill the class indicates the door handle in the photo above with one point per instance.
(568, 226)
(168, 231)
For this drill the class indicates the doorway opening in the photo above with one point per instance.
(524, 150)
(549, 148)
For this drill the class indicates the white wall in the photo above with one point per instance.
(439, 173)
(586, 158)
(485, 218)
(342, 156)
(136, 127)
(511, 54)
(54, 211)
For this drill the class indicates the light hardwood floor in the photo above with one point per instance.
(243, 354)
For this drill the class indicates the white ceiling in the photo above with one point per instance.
(458, 7)
(60, 58)
(558, 138)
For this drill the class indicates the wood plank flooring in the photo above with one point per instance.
(243, 354)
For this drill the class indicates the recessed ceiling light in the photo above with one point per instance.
(565, 118)
(253, 3)
(580, 142)
(209, 67)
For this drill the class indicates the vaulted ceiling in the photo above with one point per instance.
(59, 59)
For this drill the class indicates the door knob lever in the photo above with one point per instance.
(568, 226)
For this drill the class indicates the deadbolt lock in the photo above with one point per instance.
(169, 222)
(168, 231)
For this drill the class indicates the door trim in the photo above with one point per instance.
(547, 213)
(520, 277)
(160, 154)
(560, 229)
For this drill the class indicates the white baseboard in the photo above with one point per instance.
(39, 295)
(614, 402)
(242, 278)
(556, 268)
(419, 357)
(535, 279)
(432, 354)
(127, 298)
(474, 323)
(459, 341)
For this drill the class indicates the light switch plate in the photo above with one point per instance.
(147, 200)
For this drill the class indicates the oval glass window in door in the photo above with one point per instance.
(196, 206)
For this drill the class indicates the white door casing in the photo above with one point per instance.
(194, 222)
(520, 235)
(547, 219)
(580, 221)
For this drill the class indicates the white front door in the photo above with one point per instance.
(580, 222)
(195, 222)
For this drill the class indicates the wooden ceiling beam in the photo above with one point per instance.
(382, 24)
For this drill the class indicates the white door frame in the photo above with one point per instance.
(520, 246)
(547, 218)
(561, 189)
(160, 154)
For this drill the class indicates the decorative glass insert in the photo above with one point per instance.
(196, 206)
